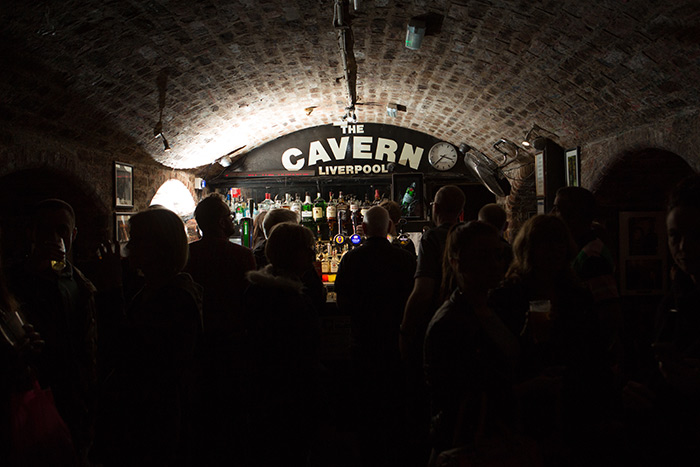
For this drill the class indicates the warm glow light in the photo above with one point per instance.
(175, 196)
(526, 143)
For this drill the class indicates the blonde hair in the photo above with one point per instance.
(539, 229)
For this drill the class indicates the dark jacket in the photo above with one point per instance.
(469, 366)
(62, 309)
(372, 286)
(151, 348)
(283, 370)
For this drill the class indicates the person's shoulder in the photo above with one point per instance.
(83, 281)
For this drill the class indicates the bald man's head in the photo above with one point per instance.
(448, 204)
(494, 215)
(376, 222)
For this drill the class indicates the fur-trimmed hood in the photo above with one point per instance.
(269, 277)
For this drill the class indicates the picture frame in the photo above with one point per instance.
(539, 174)
(407, 190)
(121, 227)
(573, 166)
(643, 258)
(123, 185)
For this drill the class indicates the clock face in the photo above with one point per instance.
(442, 156)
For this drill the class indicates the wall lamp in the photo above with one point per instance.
(536, 137)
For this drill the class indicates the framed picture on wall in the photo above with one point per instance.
(643, 253)
(121, 227)
(539, 174)
(407, 190)
(573, 167)
(123, 185)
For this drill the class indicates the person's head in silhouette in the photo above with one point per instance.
(290, 249)
(448, 205)
(683, 226)
(52, 232)
(157, 244)
(214, 217)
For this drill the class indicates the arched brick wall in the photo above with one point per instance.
(678, 135)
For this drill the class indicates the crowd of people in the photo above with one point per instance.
(470, 351)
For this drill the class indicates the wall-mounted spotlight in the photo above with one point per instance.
(536, 137)
(225, 161)
(166, 146)
(415, 33)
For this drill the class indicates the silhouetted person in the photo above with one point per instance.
(150, 344)
(271, 219)
(594, 264)
(282, 338)
(664, 405)
(372, 286)
(495, 216)
(394, 210)
(313, 285)
(219, 266)
(470, 354)
(543, 301)
(258, 231)
(59, 301)
(424, 300)
(19, 347)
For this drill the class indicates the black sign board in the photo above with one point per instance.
(365, 149)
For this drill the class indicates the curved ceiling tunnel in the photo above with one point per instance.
(210, 77)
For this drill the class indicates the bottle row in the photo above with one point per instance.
(326, 219)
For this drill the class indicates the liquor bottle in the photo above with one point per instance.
(377, 198)
(287, 204)
(319, 215)
(250, 210)
(332, 216)
(319, 209)
(365, 206)
(307, 215)
(276, 204)
(408, 200)
(267, 204)
(296, 206)
(342, 213)
(355, 216)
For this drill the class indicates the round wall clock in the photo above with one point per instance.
(442, 156)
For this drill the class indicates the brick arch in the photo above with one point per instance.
(677, 135)
(20, 190)
(639, 179)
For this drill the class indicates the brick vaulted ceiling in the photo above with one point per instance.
(242, 72)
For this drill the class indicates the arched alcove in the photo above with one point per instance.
(19, 191)
(639, 180)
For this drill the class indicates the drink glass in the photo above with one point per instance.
(60, 264)
(540, 317)
(11, 326)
